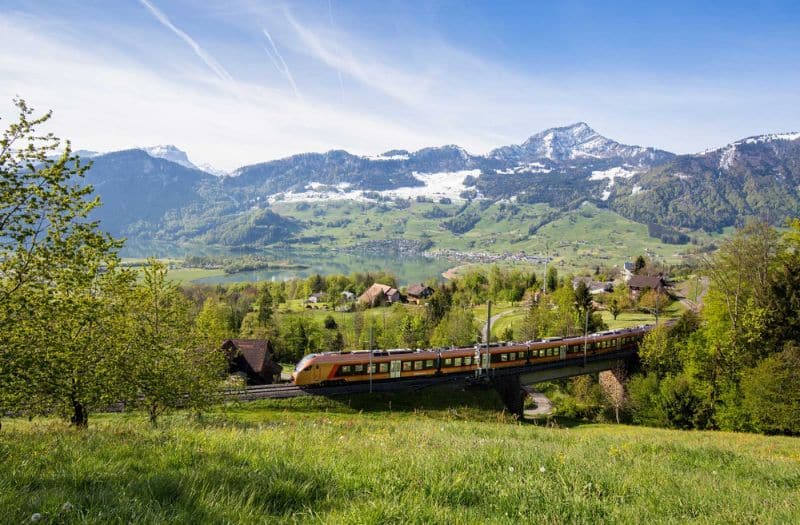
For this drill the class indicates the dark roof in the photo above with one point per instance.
(419, 290)
(655, 282)
(254, 351)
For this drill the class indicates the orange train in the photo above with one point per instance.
(336, 368)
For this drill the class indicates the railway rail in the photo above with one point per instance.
(283, 390)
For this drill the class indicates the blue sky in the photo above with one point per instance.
(238, 82)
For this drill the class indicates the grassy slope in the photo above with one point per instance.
(580, 238)
(427, 459)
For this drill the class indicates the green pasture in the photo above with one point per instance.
(440, 456)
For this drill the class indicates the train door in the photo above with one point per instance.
(562, 352)
(394, 369)
(316, 374)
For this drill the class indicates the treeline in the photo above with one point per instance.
(734, 364)
(244, 263)
(268, 310)
(733, 367)
(666, 235)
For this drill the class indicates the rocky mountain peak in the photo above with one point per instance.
(170, 153)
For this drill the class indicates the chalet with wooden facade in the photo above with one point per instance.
(253, 359)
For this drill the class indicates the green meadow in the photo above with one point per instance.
(437, 456)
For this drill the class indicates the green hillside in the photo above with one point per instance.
(439, 457)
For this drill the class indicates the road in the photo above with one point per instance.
(493, 320)
(543, 405)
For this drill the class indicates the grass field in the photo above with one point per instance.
(440, 457)
(515, 319)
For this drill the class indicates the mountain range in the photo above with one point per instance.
(159, 193)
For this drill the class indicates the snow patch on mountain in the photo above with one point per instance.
(208, 168)
(385, 157)
(531, 167)
(769, 138)
(612, 174)
(435, 186)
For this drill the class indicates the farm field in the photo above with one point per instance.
(438, 457)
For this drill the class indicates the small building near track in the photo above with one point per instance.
(418, 292)
(253, 359)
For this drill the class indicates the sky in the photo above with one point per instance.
(243, 81)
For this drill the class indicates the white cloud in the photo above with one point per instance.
(209, 60)
(280, 63)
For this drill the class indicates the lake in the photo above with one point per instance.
(407, 269)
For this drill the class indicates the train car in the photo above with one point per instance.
(338, 368)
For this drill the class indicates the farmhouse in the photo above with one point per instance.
(379, 294)
(417, 292)
(315, 298)
(595, 287)
(253, 359)
(638, 284)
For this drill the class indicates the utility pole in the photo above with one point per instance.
(544, 277)
(585, 335)
(371, 345)
(488, 334)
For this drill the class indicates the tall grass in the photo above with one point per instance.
(388, 459)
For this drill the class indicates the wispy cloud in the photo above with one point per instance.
(392, 82)
(282, 68)
(338, 71)
(209, 60)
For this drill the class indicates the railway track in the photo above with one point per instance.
(282, 391)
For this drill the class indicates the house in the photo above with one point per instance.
(627, 271)
(379, 294)
(315, 298)
(417, 292)
(638, 284)
(253, 359)
(595, 287)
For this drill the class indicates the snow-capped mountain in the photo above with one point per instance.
(170, 153)
(730, 153)
(147, 188)
(757, 176)
(577, 142)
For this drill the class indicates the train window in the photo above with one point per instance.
(457, 361)
(371, 369)
(467, 361)
(448, 361)
(503, 357)
(541, 353)
(418, 365)
(406, 366)
(346, 369)
(383, 368)
(429, 363)
(512, 356)
(358, 369)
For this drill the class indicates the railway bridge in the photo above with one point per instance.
(612, 368)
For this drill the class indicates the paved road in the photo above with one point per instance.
(543, 405)
(493, 321)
